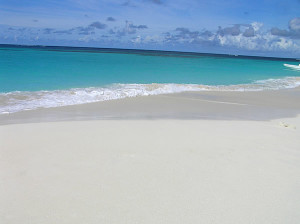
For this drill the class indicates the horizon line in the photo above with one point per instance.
(38, 46)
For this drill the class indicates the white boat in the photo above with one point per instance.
(297, 67)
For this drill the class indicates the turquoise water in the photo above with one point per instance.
(25, 69)
(38, 73)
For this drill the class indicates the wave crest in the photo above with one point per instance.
(23, 100)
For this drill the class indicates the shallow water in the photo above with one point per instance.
(33, 77)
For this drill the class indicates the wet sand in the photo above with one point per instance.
(261, 105)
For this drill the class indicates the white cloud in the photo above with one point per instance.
(257, 26)
(259, 39)
(294, 24)
(262, 41)
(136, 40)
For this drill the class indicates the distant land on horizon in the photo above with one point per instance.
(143, 52)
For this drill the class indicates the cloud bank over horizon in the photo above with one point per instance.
(200, 26)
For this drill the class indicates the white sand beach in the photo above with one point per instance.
(241, 164)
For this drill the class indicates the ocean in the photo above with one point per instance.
(41, 77)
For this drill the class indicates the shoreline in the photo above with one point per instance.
(213, 105)
(17, 101)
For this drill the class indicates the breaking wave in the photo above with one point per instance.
(12, 102)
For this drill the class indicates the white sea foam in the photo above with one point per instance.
(21, 100)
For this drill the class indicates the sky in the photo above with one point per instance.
(245, 27)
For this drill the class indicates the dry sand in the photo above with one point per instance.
(243, 170)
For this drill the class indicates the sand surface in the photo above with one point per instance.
(161, 171)
(207, 157)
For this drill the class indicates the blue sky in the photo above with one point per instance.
(256, 27)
